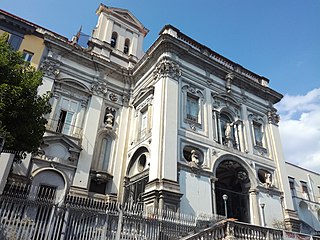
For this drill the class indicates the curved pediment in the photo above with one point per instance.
(74, 84)
(60, 147)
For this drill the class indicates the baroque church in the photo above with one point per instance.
(178, 127)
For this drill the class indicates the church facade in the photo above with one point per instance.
(178, 127)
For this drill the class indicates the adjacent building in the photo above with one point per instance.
(179, 127)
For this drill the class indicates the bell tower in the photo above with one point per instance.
(118, 36)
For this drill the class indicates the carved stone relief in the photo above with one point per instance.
(273, 117)
(166, 68)
(99, 88)
(50, 68)
(113, 97)
(229, 77)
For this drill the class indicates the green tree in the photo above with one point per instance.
(22, 111)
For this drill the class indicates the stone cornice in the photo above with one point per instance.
(241, 76)
(85, 56)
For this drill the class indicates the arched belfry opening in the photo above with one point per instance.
(233, 182)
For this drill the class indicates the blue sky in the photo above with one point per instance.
(277, 39)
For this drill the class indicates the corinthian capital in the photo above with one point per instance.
(273, 117)
(167, 68)
(99, 88)
(50, 68)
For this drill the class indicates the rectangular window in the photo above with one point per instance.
(64, 122)
(98, 187)
(192, 108)
(66, 115)
(257, 129)
(27, 56)
(143, 123)
(292, 187)
(305, 191)
(15, 42)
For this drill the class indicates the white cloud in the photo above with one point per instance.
(300, 129)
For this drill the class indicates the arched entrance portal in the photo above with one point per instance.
(233, 181)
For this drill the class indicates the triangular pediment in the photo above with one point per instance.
(124, 15)
(143, 94)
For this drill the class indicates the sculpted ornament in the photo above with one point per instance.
(113, 97)
(99, 88)
(229, 78)
(50, 68)
(273, 117)
(167, 68)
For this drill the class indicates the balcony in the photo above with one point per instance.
(64, 128)
(229, 229)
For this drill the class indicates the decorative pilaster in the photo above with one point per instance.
(89, 137)
(163, 188)
(79, 121)
(255, 215)
(50, 69)
(51, 121)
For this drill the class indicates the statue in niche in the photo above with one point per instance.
(228, 133)
(194, 157)
(268, 180)
(109, 120)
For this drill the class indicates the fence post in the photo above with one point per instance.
(48, 228)
(120, 220)
(105, 227)
(65, 224)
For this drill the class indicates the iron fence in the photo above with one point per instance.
(25, 213)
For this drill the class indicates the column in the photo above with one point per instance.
(246, 130)
(79, 120)
(51, 121)
(242, 146)
(213, 194)
(107, 31)
(134, 44)
(235, 129)
(214, 126)
(219, 128)
(254, 207)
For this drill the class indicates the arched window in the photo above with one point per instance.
(126, 46)
(114, 38)
(105, 151)
(138, 176)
